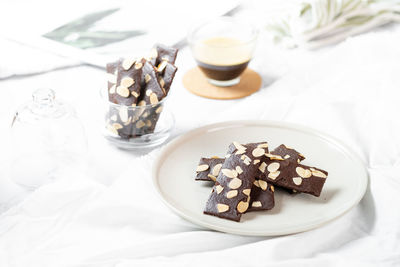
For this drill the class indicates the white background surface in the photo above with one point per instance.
(111, 215)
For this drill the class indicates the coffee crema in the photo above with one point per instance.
(222, 58)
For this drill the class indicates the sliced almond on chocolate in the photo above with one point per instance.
(264, 145)
(240, 152)
(138, 65)
(256, 204)
(127, 82)
(256, 161)
(273, 167)
(123, 91)
(246, 159)
(222, 207)
(286, 156)
(258, 152)
(112, 129)
(135, 95)
(263, 184)
(159, 109)
(219, 189)
(262, 167)
(149, 92)
(147, 78)
(271, 156)
(304, 173)
(153, 98)
(127, 63)
(307, 173)
(123, 113)
(162, 82)
(231, 194)
(202, 167)
(246, 192)
(112, 89)
(297, 180)
(273, 175)
(318, 173)
(117, 126)
(272, 188)
(240, 149)
(162, 66)
(242, 206)
(153, 53)
(238, 146)
(128, 121)
(235, 183)
(216, 169)
(212, 177)
(111, 78)
(140, 124)
(257, 183)
(142, 103)
(229, 173)
(238, 170)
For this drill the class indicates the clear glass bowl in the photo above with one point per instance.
(48, 140)
(137, 127)
(222, 48)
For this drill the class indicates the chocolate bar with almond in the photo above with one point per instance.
(230, 196)
(262, 193)
(294, 176)
(288, 153)
(208, 169)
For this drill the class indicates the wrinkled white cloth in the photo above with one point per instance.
(115, 218)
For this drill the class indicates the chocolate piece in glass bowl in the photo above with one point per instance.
(166, 73)
(126, 89)
(161, 53)
(230, 196)
(152, 92)
(112, 73)
(120, 121)
(135, 95)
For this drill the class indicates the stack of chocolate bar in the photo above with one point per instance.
(244, 179)
(138, 83)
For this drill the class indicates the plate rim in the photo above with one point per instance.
(240, 123)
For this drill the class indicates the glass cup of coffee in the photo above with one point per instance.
(223, 48)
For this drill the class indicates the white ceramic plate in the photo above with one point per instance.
(346, 184)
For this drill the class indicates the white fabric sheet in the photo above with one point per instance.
(111, 216)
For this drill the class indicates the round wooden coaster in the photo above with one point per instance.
(195, 81)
